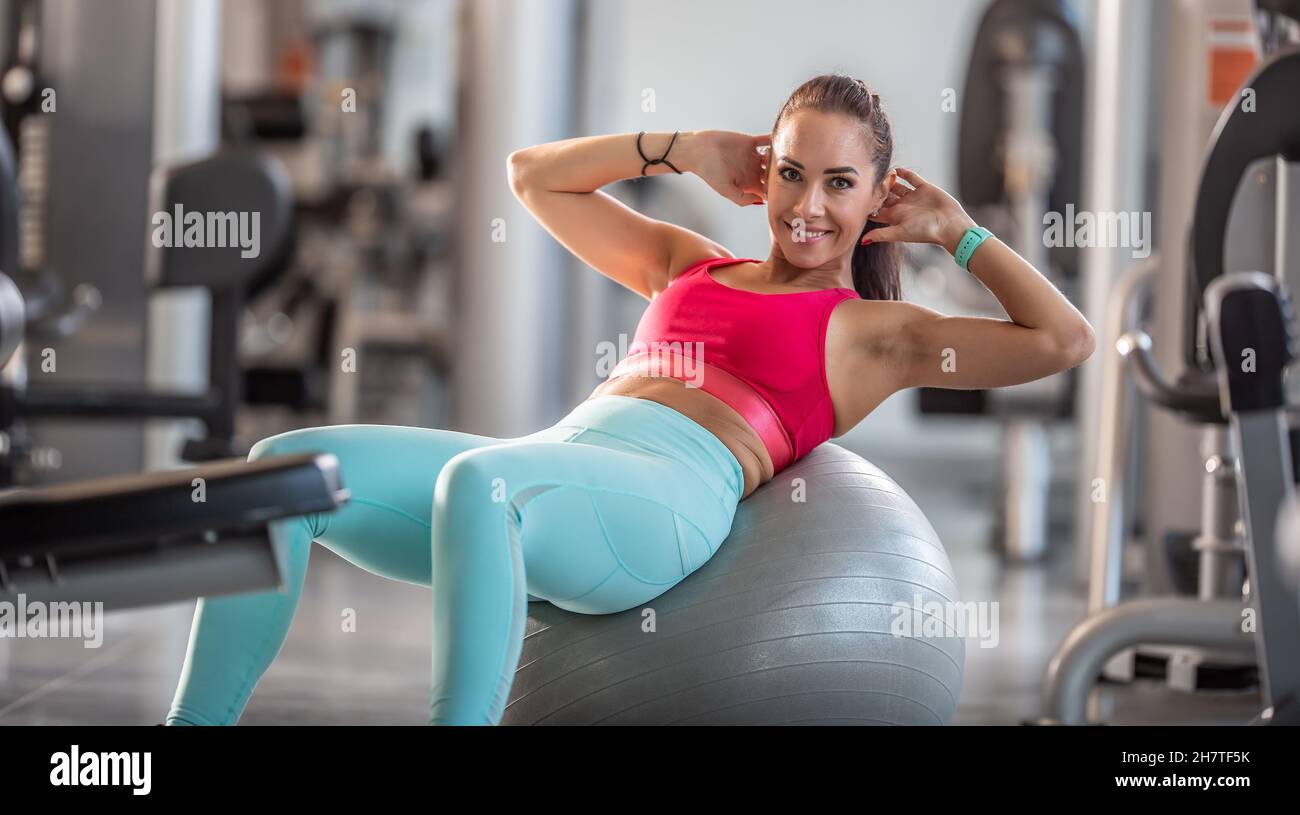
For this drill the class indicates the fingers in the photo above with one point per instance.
(763, 146)
(898, 192)
(884, 234)
(747, 191)
(900, 189)
(887, 214)
(910, 177)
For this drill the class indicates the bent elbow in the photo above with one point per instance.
(517, 170)
(1080, 346)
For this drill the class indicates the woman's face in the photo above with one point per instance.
(820, 187)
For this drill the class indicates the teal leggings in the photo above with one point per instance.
(604, 511)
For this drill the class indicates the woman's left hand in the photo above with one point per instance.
(919, 212)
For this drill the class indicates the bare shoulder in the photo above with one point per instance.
(687, 248)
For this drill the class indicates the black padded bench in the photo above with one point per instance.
(136, 540)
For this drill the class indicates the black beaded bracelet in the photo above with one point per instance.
(662, 159)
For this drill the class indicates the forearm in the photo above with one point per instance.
(1028, 297)
(586, 164)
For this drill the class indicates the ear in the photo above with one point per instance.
(883, 189)
(887, 183)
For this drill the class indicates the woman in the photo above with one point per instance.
(739, 367)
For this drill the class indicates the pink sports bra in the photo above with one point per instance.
(762, 354)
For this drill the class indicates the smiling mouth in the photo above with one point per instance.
(809, 235)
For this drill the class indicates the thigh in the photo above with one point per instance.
(389, 472)
(601, 530)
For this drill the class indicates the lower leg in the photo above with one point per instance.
(479, 599)
(234, 639)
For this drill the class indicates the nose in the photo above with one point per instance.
(811, 205)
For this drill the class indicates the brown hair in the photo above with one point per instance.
(877, 267)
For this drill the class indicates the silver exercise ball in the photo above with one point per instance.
(793, 621)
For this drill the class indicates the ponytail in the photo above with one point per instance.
(877, 268)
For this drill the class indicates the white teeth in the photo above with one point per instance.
(811, 234)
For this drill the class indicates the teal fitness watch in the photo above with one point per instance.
(969, 243)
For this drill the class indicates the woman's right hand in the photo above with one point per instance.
(730, 163)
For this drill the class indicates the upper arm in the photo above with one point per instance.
(635, 251)
(925, 348)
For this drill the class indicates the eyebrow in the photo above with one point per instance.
(831, 171)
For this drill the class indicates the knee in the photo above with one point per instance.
(293, 441)
(269, 446)
(306, 439)
(469, 475)
(470, 497)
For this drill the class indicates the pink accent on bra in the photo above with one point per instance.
(717, 382)
(761, 354)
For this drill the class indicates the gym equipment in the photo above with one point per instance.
(222, 190)
(1249, 474)
(236, 182)
(22, 86)
(135, 540)
(373, 271)
(1288, 543)
(53, 312)
(1123, 497)
(1019, 158)
(128, 541)
(1248, 314)
(1253, 340)
(1210, 49)
(791, 622)
(1022, 103)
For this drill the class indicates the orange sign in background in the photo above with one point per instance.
(1233, 54)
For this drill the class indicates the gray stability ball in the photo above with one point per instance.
(795, 620)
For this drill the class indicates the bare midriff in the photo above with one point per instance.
(706, 410)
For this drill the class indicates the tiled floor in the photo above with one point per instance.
(379, 673)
